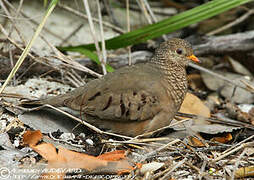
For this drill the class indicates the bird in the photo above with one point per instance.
(134, 99)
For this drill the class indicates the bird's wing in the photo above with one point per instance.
(134, 93)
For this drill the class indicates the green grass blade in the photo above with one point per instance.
(171, 24)
(93, 57)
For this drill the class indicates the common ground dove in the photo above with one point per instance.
(138, 98)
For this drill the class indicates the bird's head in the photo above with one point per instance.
(175, 51)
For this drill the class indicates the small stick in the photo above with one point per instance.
(128, 29)
(131, 142)
(161, 148)
(13, 22)
(117, 29)
(93, 33)
(71, 34)
(237, 163)
(110, 12)
(232, 151)
(217, 75)
(179, 164)
(249, 86)
(243, 141)
(233, 23)
(69, 61)
(160, 129)
(32, 21)
(85, 123)
(103, 46)
(230, 122)
(153, 16)
(144, 10)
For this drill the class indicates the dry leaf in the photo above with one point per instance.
(195, 142)
(244, 172)
(32, 137)
(112, 162)
(112, 156)
(193, 105)
(225, 138)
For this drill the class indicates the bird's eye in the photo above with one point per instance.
(179, 51)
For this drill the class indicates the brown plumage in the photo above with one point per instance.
(138, 98)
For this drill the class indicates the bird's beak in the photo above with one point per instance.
(194, 58)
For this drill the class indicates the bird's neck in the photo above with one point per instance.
(175, 79)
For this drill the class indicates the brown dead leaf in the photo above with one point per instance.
(195, 142)
(113, 162)
(112, 156)
(226, 137)
(47, 151)
(31, 138)
(244, 172)
(193, 105)
(80, 160)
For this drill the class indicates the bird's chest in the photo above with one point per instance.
(177, 87)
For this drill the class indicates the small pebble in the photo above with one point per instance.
(89, 141)
(67, 136)
(16, 143)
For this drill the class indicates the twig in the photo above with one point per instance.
(28, 47)
(71, 34)
(219, 76)
(194, 167)
(78, 78)
(249, 86)
(13, 22)
(159, 149)
(103, 47)
(17, 14)
(153, 16)
(33, 21)
(93, 33)
(229, 25)
(179, 164)
(64, 141)
(26, 70)
(233, 151)
(202, 169)
(117, 29)
(10, 32)
(216, 119)
(237, 163)
(238, 144)
(168, 12)
(150, 139)
(154, 19)
(144, 10)
(131, 142)
(83, 122)
(75, 78)
(70, 63)
(11, 61)
(111, 13)
(72, 79)
(148, 134)
(128, 29)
